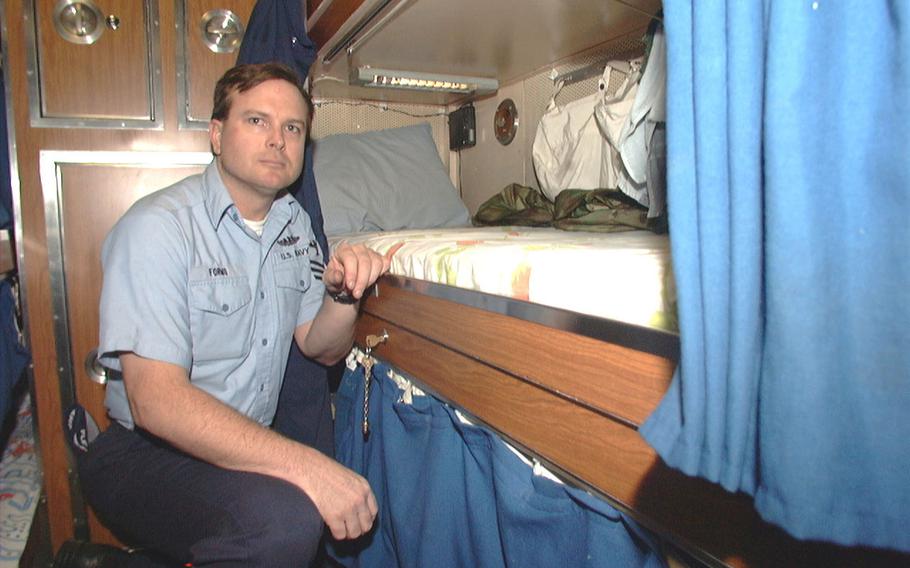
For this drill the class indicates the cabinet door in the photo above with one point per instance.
(205, 60)
(85, 193)
(121, 63)
(97, 126)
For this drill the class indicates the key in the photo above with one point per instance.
(367, 373)
(371, 341)
(374, 341)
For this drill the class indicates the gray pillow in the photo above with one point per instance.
(384, 180)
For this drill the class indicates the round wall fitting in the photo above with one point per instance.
(222, 30)
(78, 21)
(505, 121)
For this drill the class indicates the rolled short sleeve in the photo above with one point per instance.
(144, 308)
(312, 299)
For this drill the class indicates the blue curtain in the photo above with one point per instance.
(789, 193)
(453, 495)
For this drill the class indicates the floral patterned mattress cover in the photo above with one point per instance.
(623, 276)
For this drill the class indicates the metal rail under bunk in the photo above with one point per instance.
(649, 340)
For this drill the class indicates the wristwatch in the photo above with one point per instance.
(343, 298)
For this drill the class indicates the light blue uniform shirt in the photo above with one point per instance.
(188, 283)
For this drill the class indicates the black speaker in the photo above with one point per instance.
(462, 130)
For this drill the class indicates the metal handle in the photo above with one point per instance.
(78, 21)
(93, 368)
(222, 30)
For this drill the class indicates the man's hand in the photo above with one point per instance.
(353, 269)
(343, 498)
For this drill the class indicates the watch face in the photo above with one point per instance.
(344, 298)
(505, 121)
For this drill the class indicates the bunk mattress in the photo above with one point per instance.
(619, 276)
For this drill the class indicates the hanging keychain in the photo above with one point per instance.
(368, 361)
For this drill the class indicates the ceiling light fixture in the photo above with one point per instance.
(376, 77)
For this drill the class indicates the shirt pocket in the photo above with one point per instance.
(221, 318)
(291, 283)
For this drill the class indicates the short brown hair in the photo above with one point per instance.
(242, 78)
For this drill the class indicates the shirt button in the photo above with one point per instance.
(303, 283)
(262, 295)
(225, 307)
(265, 341)
(261, 388)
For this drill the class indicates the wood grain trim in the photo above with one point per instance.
(575, 366)
(533, 416)
(332, 19)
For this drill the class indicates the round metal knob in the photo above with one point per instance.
(78, 21)
(222, 30)
(93, 368)
(505, 121)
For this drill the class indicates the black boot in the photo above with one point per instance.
(73, 554)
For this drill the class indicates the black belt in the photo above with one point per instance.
(112, 374)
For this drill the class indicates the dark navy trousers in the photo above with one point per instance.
(154, 497)
(157, 498)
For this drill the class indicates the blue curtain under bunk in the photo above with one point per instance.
(452, 494)
(277, 32)
(789, 193)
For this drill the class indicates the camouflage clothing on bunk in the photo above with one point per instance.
(597, 210)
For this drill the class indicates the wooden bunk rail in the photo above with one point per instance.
(531, 415)
(598, 451)
(612, 379)
(467, 358)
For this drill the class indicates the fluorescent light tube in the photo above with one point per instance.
(377, 77)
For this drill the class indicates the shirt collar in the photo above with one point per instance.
(215, 194)
(218, 201)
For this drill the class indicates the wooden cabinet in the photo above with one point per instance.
(201, 65)
(94, 125)
(116, 77)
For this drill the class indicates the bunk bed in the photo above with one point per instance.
(564, 382)
(562, 342)
(570, 390)
(567, 387)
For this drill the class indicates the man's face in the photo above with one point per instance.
(261, 142)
